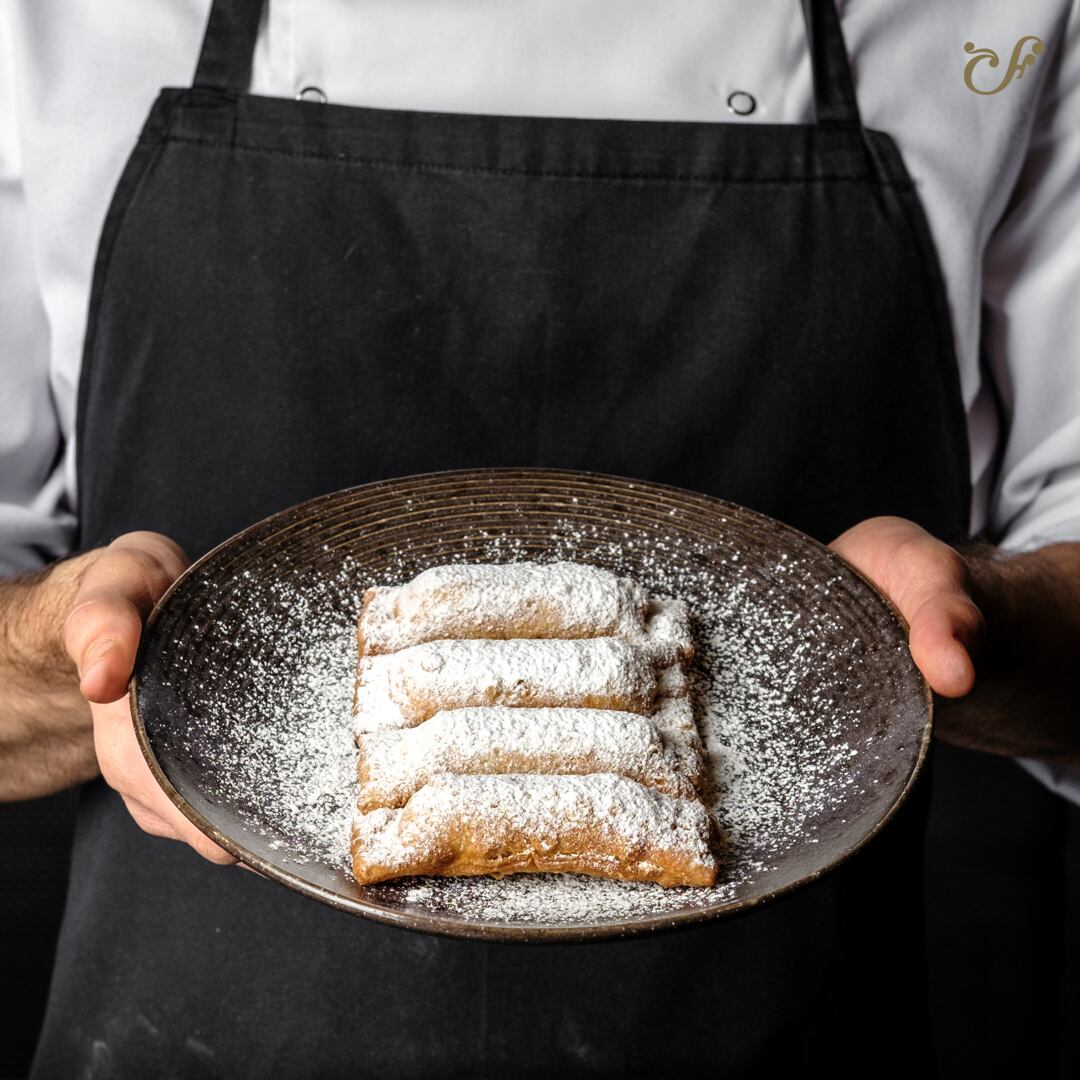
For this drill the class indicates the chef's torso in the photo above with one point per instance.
(293, 297)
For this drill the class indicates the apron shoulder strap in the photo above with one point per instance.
(834, 91)
(229, 45)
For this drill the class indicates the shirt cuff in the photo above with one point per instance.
(33, 535)
(1063, 780)
(29, 540)
(1051, 517)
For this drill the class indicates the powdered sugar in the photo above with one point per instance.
(394, 764)
(521, 821)
(784, 749)
(404, 688)
(561, 600)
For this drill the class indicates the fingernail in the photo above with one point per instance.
(96, 653)
(960, 666)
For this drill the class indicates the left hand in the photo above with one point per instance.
(929, 583)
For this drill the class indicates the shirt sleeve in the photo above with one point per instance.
(1031, 323)
(35, 522)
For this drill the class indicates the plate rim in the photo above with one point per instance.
(458, 926)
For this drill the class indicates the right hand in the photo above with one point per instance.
(117, 587)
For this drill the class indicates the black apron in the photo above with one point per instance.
(291, 298)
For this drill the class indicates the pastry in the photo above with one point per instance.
(527, 718)
(405, 688)
(598, 824)
(516, 600)
(394, 764)
(520, 600)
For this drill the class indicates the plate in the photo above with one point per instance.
(816, 720)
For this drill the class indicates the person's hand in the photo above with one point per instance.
(117, 587)
(929, 583)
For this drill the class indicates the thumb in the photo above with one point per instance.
(116, 593)
(945, 634)
(101, 635)
(927, 580)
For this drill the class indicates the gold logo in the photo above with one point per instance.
(1023, 56)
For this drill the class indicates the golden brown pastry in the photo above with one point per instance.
(521, 600)
(598, 824)
(404, 688)
(526, 717)
(514, 600)
(394, 764)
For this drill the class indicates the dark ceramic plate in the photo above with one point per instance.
(815, 718)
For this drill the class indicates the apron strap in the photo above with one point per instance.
(834, 91)
(228, 46)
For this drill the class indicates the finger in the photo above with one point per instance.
(872, 545)
(909, 565)
(125, 769)
(927, 581)
(102, 630)
(168, 553)
(147, 820)
(946, 632)
(151, 822)
(101, 635)
(210, 851)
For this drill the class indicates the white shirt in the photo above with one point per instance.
(999, 177)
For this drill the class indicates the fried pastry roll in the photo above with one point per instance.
(404, 688)
(396, 763)
(599, 824)
(516, 600)
(521, 600)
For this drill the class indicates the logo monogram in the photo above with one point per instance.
(1023, 56)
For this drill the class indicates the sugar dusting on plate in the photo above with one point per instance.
(780, 753)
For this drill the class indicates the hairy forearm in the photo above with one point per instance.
(46, 739)
(1026, 700)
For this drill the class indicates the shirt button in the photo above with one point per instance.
(741, 103)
